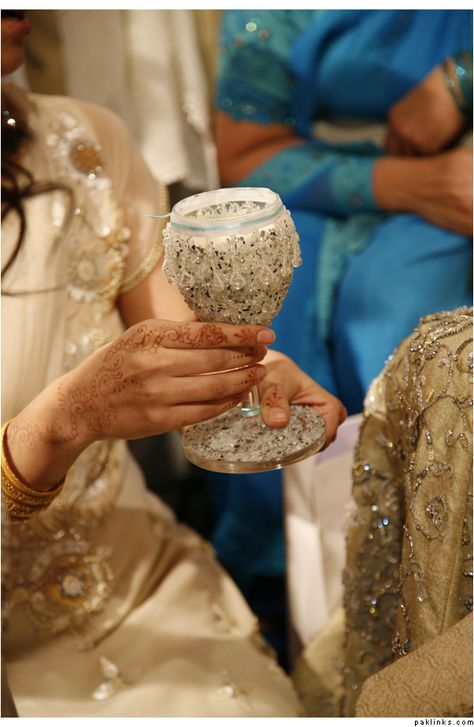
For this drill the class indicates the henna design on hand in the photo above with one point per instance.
(273, 399)
(209, 334)
(251, 377)
(25, 433)
(93, 404)
(245, 335)
(146, 338)
(233, 402)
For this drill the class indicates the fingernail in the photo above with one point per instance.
(277, 415)
(265, 336)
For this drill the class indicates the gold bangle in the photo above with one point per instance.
(16, 511)
(14, 477)
(20, 500)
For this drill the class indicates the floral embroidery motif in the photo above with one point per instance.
(414, 446)
(97, 235)
(70, 587)
(86, 157)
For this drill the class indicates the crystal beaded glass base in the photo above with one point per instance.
(232, 253)
(235, 443)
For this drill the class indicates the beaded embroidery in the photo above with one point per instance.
(97, 234)
(408, 498)
(55, 572)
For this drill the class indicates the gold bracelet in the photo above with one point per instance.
(20, 500)
(16, 511)
(453, 85)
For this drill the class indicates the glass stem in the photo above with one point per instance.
(250, 404)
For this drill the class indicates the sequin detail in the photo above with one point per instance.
(229, 689)
(97, 233)
(113, 680)
(254, 74)
(411, 472)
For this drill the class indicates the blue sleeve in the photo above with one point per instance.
(255, 84)
(318, 177)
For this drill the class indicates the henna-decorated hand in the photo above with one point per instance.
(161, 375)
(157, 376)
(285, 383)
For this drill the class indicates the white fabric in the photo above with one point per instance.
(94, 56)
(340, 131)
(147, 66)
(317, 498)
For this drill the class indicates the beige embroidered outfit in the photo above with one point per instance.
(111, 608)
(407, 647)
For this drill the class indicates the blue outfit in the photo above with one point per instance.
(367, 276)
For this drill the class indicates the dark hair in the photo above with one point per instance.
(18, 183)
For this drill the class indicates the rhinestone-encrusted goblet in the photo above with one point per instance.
(232, 252)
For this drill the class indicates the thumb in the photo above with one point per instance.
(274, 404)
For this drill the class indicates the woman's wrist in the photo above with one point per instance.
(436, 188)
(396, 183)
(21, 502)
(42, 442)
